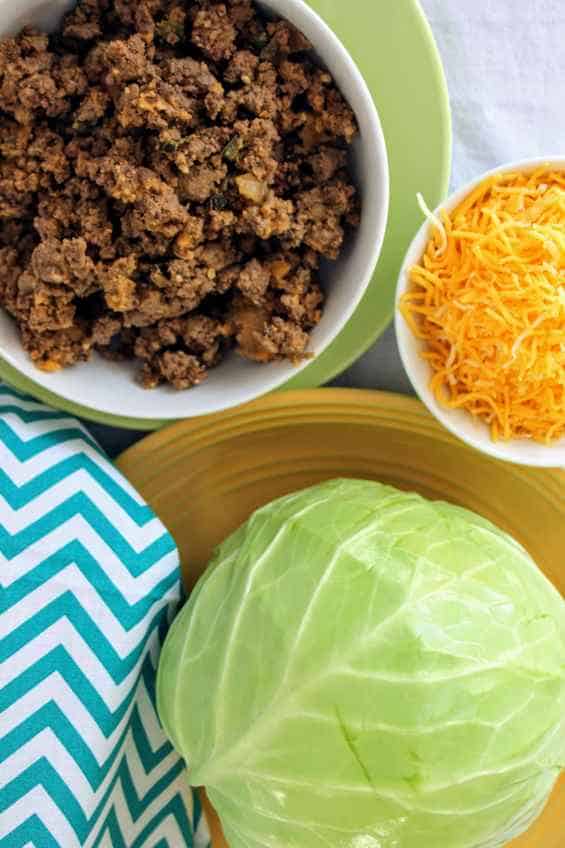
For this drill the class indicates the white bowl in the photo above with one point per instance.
(112, 388)
(472, 431)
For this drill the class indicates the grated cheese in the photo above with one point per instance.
(437, 222)
(488, 298)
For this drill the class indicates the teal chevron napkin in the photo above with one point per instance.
(89, 581)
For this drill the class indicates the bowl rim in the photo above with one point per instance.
(515, 451)
(372, 140)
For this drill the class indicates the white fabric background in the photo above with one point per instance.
(505, 67)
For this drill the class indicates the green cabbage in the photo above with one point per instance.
(362, 668)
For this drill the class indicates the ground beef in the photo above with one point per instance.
(202, 337)
(265, 338)
(104, 330)
(51, 350)
(319, 218)
(155, 105)
(182, 370)
(171, 174)
(213, 32)
(65, 263)
(253, 281)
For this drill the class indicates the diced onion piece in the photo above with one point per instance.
(251, 188)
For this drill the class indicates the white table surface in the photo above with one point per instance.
(505, 66)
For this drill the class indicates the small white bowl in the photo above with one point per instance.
(463, 425)
(112, 389)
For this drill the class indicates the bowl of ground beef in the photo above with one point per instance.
(193, 198)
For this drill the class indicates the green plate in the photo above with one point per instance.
(393, 45)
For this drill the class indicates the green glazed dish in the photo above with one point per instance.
(395, 50)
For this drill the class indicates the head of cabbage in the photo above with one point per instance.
(362, 668)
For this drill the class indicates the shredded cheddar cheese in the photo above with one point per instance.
(488, 298)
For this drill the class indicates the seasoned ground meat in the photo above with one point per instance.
(213, 32)
(171, 174)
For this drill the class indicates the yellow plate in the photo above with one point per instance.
(204, 477)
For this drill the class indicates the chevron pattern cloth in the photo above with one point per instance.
(89, 581)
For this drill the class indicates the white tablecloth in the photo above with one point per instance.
(505, 67)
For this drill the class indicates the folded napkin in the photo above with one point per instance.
(89, 582)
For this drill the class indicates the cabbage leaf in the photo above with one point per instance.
(363, 668)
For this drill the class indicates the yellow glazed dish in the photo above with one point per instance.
(205, 477)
